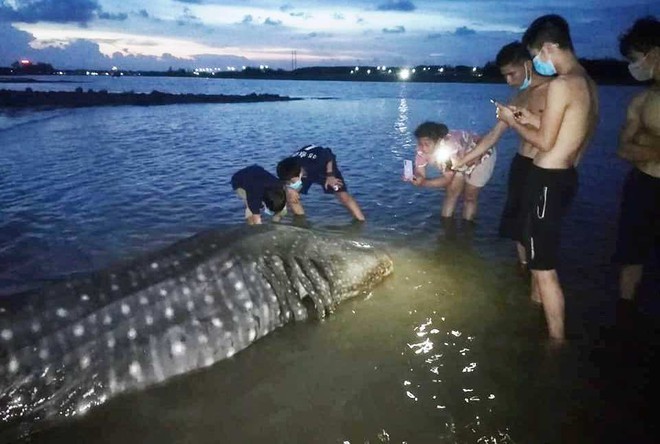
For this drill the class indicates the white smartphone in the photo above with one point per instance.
(407, 169)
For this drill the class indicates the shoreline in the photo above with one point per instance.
(78, 99)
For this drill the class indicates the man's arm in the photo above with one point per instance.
(420, 180)
(637, 145)
(293, 200)
(484, 144)
(544, 137)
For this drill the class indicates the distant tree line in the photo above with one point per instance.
(604, 71)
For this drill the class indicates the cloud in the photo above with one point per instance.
(314, 35)
(247, 19)
(120, 17)
(188, 18)
(396, 5)
(338, 16)
(84, 54)
(464, 30)
(286, 7)
(272, 22)
(190, 2)
(143, 13)
(394, 30)
(56, 11)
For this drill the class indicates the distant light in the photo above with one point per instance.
(357, 68)
(404, 74)
(114, 68)
(474, 69)
(368, 71)
(243, 68)
(25, 62)
(413, 71)
(389, 71)
(352, 71)
(442, 70)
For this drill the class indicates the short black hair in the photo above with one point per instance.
(551, 28)
(643, 36)
(275, 198)
(432, 130)
(288, 168)
(514, 52)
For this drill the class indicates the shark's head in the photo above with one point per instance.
(356, 266)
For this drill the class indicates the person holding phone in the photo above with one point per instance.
(560, 135)
(438, 146)
(515, 65)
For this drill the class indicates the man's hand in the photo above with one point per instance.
(505, 113)
(333, 182)
(418, 181)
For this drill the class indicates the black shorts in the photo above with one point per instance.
(320, 180)
(639, 219)
(511, 223)
(550, 192)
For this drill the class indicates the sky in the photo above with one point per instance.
(189, 34)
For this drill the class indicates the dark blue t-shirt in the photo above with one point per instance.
(313, 159)
(254, 180)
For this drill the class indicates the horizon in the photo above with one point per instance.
(189, 34)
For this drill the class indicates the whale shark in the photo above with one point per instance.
(74, 344)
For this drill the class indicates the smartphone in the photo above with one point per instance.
(407, 169)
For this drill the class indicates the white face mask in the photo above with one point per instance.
(639, 71)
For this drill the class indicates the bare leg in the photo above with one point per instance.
(454, 190)
(470, 201)
(629, 279)
(350, 204)
(553, 301)
(535, 296)
(522, 255)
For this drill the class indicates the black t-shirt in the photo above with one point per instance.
(254, 180)
(313, 159)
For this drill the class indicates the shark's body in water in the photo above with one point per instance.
(77, 343)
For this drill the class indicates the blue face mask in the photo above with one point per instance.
(544, 68)
(527, 81)
(297, 186)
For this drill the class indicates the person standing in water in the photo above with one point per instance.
(639, 144)
(438, 146)
(560, 135)
(516, 67)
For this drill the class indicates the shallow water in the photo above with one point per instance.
(80, 189)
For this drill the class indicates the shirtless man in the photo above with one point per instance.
(639, 144)
(516, 67)
(560, 135)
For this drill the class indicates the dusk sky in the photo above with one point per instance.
(158, 34)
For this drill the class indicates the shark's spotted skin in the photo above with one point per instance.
(76, 344)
